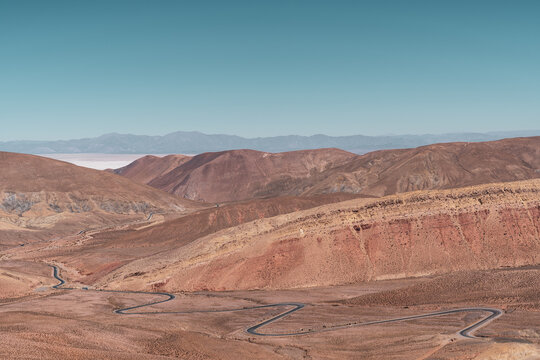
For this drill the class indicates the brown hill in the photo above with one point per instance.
(242, 174)
(437, 166)
(105, 251)
(413, 234)
(37, 194)
(149, 167)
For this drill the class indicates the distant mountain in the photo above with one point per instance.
(195, 143)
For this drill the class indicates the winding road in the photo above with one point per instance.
(254, 330)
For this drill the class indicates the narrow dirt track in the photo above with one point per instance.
(254, 330)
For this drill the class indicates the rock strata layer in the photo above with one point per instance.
(413, 234)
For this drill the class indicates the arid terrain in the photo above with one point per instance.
(41, 198)
(414, 234)
(244, 174)
(233, 175)
(426, 253)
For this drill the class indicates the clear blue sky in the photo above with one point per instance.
(71, 69)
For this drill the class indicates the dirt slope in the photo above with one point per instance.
(239, 174)
(418, 233)
(438, 166)
(149, 167)
(37, 193)
(102, 252)
(242, 174)
(516, 287)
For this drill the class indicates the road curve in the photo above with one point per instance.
(254, 330)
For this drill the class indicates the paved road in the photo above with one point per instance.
(254, 330)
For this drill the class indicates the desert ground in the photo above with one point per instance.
(47, 323)
(432, 265)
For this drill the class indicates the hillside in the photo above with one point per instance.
(414, 234)
(98, 253)
(149, 167)
(243, 174)
(39, 195)
(437, 166)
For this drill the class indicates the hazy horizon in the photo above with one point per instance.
(520, 131)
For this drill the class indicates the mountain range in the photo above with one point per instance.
(246, 174)
(195, 143)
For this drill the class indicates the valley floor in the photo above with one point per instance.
(44, 323)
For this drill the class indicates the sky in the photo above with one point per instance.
(73, 69)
